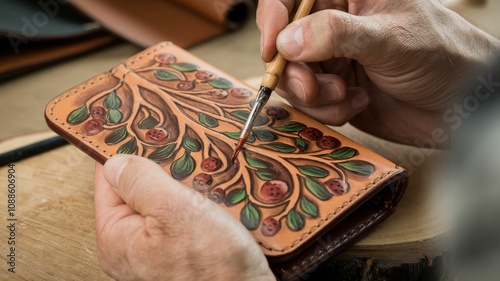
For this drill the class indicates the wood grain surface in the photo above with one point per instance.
(55, 236)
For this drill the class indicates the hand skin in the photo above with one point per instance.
(151, 227)
(391, 68)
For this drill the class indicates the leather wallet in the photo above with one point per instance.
(304, 191)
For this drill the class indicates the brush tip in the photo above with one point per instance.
(238, 148)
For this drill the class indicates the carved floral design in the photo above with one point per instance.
(187, 119)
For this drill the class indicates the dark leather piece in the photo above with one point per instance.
(345, 233)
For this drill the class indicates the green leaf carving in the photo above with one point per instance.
(112, 101)
(313, 171)
(294, 220)
(256, 163)
(250, 216)
(148, 123)
(293, 127)
(359, 167)
(221, 83)
(309, 207)
(191, 144)
(281, 147)
(265, 135)
(301, 144)
(236, 135)
(163, 153)
(265, 174)
(128, 147)
(233, 135)
(343, 153)
(115, 116)
(166, 75)
(235, 196)
(183, 167)
(184, 67)
(318, 189)
(243, 115)
(208, 121)
(117, 136)
(78, 115)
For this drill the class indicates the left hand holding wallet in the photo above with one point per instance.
(166, 231)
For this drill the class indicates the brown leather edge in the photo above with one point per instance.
(84, 147)
(347, 231)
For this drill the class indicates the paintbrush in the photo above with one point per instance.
(269, 81)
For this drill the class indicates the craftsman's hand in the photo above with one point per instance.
(150, 227)
(389, 67)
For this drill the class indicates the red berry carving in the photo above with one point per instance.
(156, 135)
(211, 164)
(219, 94)
(277, 113)
(328, 142)
(240, 92)
(202, 182)
(165, 58)
(217, 195)
(204, 75)
(274, 190)
(98, 112)
(337, 186)
(270, 227)
(311, 134)
(185, 85)
(93, 127)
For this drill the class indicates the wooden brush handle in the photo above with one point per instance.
(278, 63)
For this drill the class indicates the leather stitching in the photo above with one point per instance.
(90, 83)
(313, 259)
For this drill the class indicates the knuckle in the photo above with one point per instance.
(337, 26)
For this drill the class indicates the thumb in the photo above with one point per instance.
(328, 34)
(144, 186)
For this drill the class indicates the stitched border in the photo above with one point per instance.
(90, 83)
(262, 244)
(329, 216)
(313, 259)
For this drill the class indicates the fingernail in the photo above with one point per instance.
(360, 99)
(330, 92)
(296, 88)
(114, 167)
(291, 41)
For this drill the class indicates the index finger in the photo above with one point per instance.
(272, 17)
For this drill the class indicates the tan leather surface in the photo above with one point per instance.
(169, 85)
(148, 22)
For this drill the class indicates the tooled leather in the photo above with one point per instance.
(82, 88)
(331, 215)
(96, 150)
